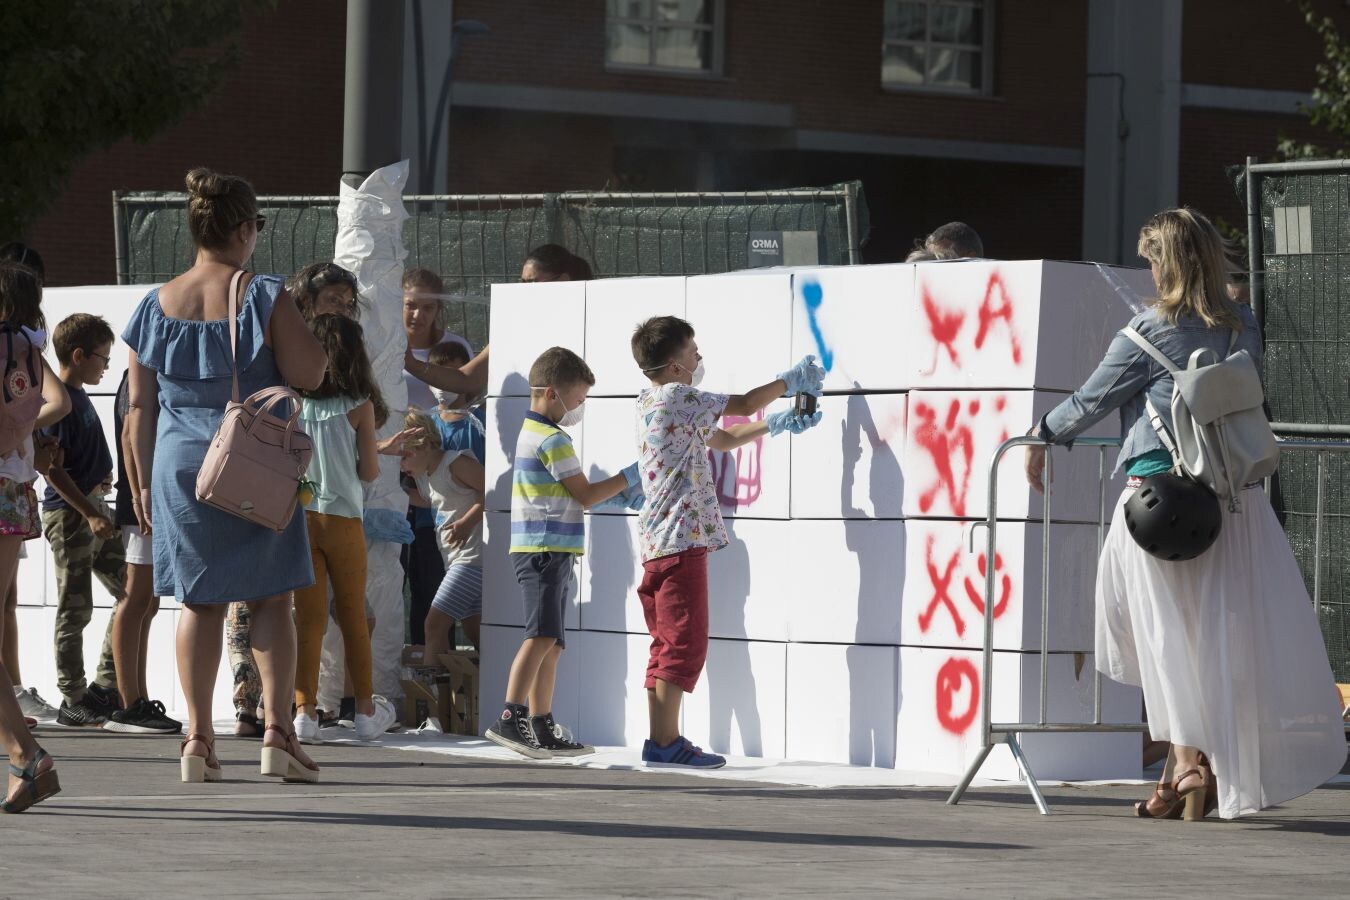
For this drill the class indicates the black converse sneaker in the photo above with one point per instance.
(512, 730)
(549, 735)
(141, 718)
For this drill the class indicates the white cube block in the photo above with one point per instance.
(502, 601)
(527, 319)
(845, 581)
(739, 705)
(853, 318)
(848, 466)
(35, 584)
(755, 479)
(841, 704)
(743, 327)
(614, 309)
(610, 574)
(498, 650)
(611, 431)
(944, 585)
(1029, 324)
(614, 702)
(950, 442)
(939, 728)
(749, 582)
(505, 415)
(115, 303)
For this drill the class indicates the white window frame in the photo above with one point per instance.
(985, 49)
(717, 29)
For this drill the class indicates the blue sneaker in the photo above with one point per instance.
(682, 754)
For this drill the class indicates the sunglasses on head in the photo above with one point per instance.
(331, 273)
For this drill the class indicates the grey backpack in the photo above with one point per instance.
(1222, 438)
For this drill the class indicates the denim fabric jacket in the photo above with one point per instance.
(1127, 376)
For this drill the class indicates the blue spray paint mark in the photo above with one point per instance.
(813, 295)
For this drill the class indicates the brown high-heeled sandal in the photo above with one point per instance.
(197, 769)
(281, 762)
(1163, 803)
(1193, 798)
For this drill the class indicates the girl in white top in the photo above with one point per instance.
(453, 482)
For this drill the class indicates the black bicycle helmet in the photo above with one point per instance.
(1173, 517)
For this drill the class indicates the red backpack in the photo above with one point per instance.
(21, 387)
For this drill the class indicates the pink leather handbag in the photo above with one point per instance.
(256, 460)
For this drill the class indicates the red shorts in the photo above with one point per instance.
(674, 594)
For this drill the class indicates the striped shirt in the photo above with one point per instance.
(545, 517)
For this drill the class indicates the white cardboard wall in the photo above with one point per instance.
(743, 327)
(527, 319)
(944, 585)
(614, 309)
(939, 715)
(848, 467)
(844, 587)
(740, 704)
(828, 306)
(841, 704)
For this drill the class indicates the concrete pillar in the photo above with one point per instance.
(1133, 122)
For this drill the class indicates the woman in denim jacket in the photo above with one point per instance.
(1226, 647)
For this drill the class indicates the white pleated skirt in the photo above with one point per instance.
(1227, 650)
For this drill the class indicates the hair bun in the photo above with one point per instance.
(204, 184)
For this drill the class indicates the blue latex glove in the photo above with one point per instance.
(632, 476)
(804, 378)
(630, 497)
(787, 420)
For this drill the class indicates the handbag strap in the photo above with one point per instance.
(234, 327)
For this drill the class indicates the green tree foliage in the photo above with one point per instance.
(1330, 106)
(78, 75)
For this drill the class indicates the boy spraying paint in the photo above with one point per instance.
(681, 521)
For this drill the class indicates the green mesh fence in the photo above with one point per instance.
(1303, 243)
(476, 241)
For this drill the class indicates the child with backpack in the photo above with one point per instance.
(30, 396)
(1211, 619)
(340, 416)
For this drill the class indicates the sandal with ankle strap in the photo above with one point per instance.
(196, 769)
(35, 786)
(279, 762)
(1193, 798)
(1163, 803)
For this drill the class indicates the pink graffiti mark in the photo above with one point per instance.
(738, 474)
(989, 313)
(953, 674)
(945, 442)
(944, 328)
(941, 590)
(976, 596)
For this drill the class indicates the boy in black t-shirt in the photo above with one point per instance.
(78, 524)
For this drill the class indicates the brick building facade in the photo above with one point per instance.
(793, 95)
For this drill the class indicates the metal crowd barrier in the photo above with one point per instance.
(994, 733)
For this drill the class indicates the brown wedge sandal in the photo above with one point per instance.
(281, 762)
(197, 769)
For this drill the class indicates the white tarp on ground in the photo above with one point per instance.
(370, 244)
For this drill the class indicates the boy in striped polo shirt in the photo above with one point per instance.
(548, 494)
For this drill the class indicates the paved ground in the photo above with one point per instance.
(410, 824)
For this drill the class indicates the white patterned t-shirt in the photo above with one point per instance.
(674, 424)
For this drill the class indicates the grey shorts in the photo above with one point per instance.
(547, 581)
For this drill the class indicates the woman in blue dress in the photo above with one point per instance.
(180, 382)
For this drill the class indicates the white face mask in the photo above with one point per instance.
(696, 376)
(445, 398)
(570, 417)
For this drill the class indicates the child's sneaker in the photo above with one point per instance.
(549, 735)
(682, 754)
(512, 730)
